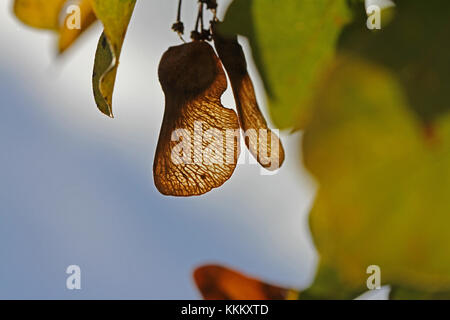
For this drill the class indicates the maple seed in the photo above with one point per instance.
(193, 82)
(262, 142)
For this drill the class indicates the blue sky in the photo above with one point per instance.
(76, 187)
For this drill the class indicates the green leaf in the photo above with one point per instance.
(415, 46)
(383, 182)
(115, 16)
(42, 14)
(291, 41)
(398, 293)
(328, 285)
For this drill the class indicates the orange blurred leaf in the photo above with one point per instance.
(220, 283)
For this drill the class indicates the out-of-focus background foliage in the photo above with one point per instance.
(373, 106)
(378, 145)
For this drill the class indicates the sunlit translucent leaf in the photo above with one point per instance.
(68, 36)
(383, 185)
(415, 46)
(42, 14)
(220, 283)
(291, 41)
(115, 16)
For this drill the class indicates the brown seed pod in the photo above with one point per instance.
(198, 145)
(262, 142)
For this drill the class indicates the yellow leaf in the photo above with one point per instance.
(115, 16)
(42, 14)
(68, 36)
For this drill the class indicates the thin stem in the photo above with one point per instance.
(199, 16)
(212, 5)
(180, 2)
(178, 26)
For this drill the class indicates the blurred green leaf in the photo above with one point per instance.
(291, 41)
(383, 184)
(399, 293)
(115, 16)
(415, 46)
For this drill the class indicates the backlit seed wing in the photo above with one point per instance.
(262, 142)
(220, 283)
(198, 145)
